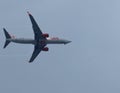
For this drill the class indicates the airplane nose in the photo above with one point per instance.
(67, 42)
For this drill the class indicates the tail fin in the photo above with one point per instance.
(7, 37)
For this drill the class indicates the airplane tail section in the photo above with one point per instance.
(7, 35)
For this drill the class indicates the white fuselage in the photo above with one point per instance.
(32, 41)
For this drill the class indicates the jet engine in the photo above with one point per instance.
(45, 35)
(45, 49)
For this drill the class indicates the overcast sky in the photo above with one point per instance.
(90, 64)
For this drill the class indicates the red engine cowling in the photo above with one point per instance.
(45, 49)
(45, 35)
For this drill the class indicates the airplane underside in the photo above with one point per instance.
(40, 39)
(31, 41)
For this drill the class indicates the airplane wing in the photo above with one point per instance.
(37, 35)
(36, 51)
(36, 29)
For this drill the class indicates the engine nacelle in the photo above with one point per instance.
(45, 49)
(45, 35)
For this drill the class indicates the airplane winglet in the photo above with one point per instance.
(28, 13)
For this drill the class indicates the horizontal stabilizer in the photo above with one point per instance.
(6, 34)
(6, 43)
(7, 37)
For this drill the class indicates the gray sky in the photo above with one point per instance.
(90, 64)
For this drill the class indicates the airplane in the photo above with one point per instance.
(40, 39)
